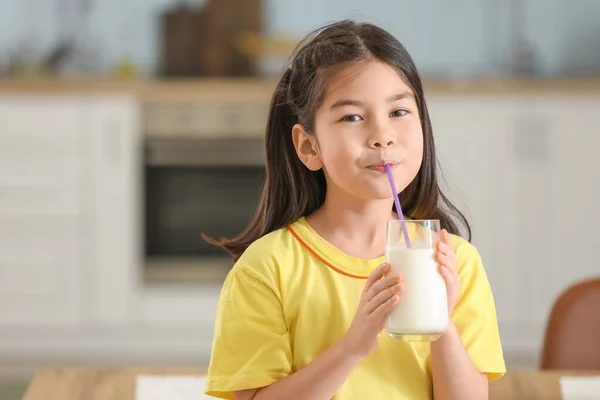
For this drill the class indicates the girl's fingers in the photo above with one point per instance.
(384, 308)
(446, 237)
(446, 249)
(376, 275)
(382, 284)
(447, 261)
(384, 296)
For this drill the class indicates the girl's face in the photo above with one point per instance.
(368, 118)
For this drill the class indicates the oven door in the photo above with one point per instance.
(192, 187)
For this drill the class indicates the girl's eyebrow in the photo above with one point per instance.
(358, 103)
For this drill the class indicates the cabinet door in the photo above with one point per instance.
(40, 210)
(114, 226)
(569, 199)
(471, 133)
(555, 141)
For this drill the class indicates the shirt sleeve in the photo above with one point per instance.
(251, 345)
(475, 314)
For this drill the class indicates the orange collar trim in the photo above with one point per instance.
(314, 253)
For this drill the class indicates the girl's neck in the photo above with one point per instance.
(355, 226)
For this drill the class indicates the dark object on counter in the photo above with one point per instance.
(183, 43)
(205, 42)
(57, 56)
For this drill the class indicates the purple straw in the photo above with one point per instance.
(397, 201)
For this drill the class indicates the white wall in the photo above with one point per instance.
(445, 37)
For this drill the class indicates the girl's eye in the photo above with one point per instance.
(351, 118)
(399, 113)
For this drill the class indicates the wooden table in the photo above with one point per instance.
(119, 384)
(532, 385)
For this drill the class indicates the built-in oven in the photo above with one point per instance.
(198, 184)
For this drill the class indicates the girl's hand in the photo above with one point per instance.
(381, 293)
(446, 259)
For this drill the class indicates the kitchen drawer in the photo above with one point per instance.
(243, 119)
(205, 119)
(43, 118)
(180, 119)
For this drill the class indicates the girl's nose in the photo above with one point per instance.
(381, 138)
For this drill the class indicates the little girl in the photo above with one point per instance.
(302, 311)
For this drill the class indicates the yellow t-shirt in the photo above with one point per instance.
(292, 295)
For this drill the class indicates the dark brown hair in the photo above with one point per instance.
(291, 190)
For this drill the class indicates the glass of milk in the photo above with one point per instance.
(422, 313)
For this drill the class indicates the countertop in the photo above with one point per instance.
(259, 89)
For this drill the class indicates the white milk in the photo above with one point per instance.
(422, 313)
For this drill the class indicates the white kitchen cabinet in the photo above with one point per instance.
(557, 185)
(567, 193)
(40, 210)
(114, 225)
(71, 238)
(526, 170)
(61, 204)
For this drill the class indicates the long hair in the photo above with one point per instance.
(291, 190)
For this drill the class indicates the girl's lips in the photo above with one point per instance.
(381, 166)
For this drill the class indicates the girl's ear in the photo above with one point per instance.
(306, 148)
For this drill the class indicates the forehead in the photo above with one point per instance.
(372, 81)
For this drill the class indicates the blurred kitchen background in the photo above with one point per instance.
(128, 128)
